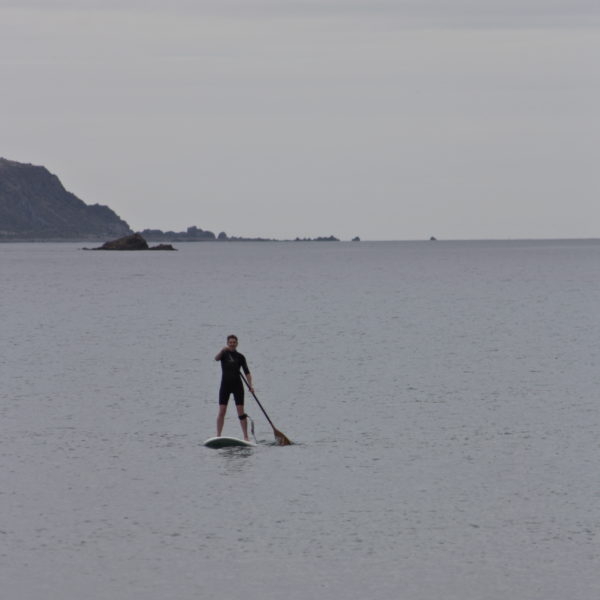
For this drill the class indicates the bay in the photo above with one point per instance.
(442, 397)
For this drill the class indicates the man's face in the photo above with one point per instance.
(232, 343)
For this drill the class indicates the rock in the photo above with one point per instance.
(129, 242)
(162, 247)
(132, 242)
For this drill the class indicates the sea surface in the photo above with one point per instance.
(442, 397)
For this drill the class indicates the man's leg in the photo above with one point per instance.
(243, 421)
(221, 418)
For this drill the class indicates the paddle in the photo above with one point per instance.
(281, 438)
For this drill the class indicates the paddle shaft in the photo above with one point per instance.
(257, 401)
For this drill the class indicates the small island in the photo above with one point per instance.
(131, 242)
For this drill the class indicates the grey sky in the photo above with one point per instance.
(388, 120)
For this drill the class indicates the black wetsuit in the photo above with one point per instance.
(231, 381)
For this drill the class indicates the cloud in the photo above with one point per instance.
(417, 13)
(383, 119)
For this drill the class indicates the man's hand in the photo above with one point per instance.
(222, 351)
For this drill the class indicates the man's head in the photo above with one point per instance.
(232, 342)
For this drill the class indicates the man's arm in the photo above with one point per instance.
(246, 370)
(219, 356)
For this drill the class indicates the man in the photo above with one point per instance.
(231, 383)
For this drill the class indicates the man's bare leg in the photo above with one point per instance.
(221, 419)
(243, 422)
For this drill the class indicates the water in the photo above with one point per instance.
(443, 398)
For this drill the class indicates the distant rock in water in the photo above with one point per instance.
(356, 239)
(432, 239)
(131, 242)
(331, 238)
(34, 205)
(162, 247)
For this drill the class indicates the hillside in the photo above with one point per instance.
(35, 205)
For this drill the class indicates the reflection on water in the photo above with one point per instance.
(235, 460)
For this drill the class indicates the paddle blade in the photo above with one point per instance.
(281, 438)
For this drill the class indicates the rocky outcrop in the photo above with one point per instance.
(34, 205)
(331, 238)
(131, 242)
(162, 247)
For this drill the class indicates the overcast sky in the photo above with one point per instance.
(384, 119)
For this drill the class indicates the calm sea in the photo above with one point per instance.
(442, 397)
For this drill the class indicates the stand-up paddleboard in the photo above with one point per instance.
(226, 442)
